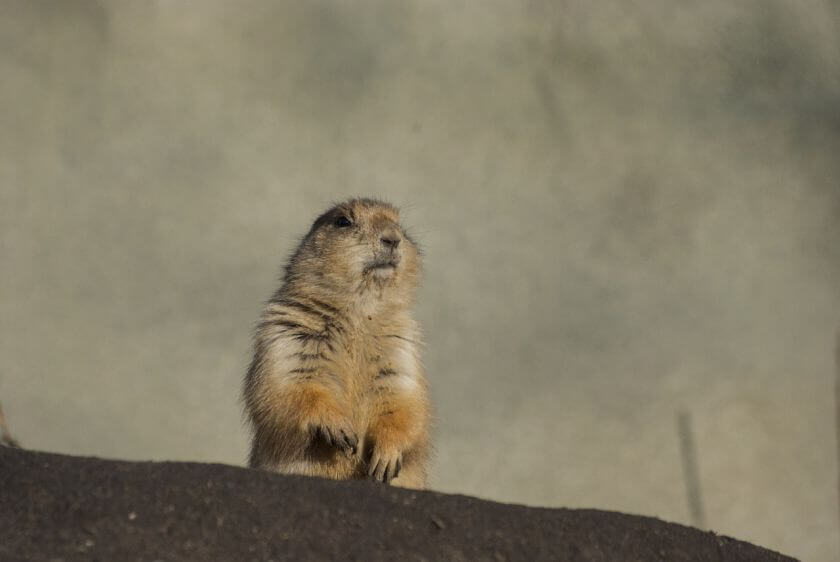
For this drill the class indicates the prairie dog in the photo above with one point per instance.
(336, 388)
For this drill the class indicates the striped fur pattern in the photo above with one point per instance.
(336, 388)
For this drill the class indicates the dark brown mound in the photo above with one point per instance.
(55, 507)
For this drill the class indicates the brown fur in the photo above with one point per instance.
(336, 388)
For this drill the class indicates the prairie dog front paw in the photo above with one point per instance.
(339, 435)
(385, 465)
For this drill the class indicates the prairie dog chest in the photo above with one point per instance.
(387, 357)
(389, 360)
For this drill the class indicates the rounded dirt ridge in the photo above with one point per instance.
(56, 507)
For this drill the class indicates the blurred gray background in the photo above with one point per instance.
(629, 210)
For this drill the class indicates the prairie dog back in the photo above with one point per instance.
(336, 387)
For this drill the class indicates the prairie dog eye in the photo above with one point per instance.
(342, 222)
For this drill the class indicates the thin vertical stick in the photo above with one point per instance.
(6, 435)
(837, 413)
(688, 451)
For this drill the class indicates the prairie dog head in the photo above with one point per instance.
(358, 249)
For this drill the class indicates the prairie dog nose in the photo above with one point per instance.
(390, 238)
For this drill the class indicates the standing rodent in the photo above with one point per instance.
(336, 388)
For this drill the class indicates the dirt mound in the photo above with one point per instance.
(55, 507)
